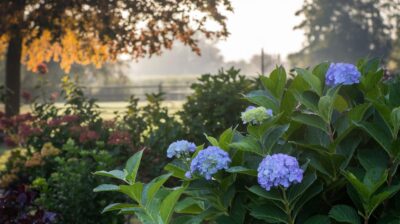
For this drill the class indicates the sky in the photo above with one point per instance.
(257, 24)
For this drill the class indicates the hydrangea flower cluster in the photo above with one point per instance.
(255, 115)
(208, 162)
(180, 148)
(342, 73)
(279, 170)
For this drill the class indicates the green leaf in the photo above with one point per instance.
(360, 187)
(318, 219)
(213, 141)
(175, 170)
(308, 99)
(248, 144)
(311, 120)
(169, 202)
(276, 81)
(132, 166)
(310, 193)
(106, 187)
(243, 170)
(311, 79)
(345, 214)
(372, 158)
(117, 174)
(226, 138)
(325, 108)
(374, 178)
(387, 193)
(151, 188)
(297, 190)
(189, 206)
(395, 119)
(340, 104)
(272, 136)
(263, 98)
(133, 191)
(268, 213)
(273, 194)
(116, 206)
(356, 114)
(377, 133)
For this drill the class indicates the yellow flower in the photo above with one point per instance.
(35, 160)
(49, 150)
(7, 179)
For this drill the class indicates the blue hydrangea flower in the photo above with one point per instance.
(279, 170)
(342, 73)
(208, 162)
(180, 148)
(255, 115)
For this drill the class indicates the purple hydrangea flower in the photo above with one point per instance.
(208, 162)
(180, 148)
(342, 73)
(279, 170)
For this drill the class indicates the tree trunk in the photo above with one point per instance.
(13, 62)
(13, 75)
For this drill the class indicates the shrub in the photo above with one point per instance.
(328, 154)
(215, 104)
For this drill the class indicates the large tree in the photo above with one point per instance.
(343, 30)
(95, 31)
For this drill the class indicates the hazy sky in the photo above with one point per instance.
(257, 24)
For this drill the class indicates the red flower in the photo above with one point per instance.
(54, 122)
(120, 138)
(70, 118)
(27, 96)
(88, 136)
(42, 68)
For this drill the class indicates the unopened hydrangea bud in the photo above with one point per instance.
(255, 115)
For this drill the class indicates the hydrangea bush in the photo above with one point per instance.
(327, 153)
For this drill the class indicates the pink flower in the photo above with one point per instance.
(27, 96)
(119, 138)
(42, 68)
(54, 122)
(54, 96)
(88, 136)
(70, 118)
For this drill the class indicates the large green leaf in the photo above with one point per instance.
(176, 171)
(169, 202)
(377, 133)
(132, 166)
(243, 170)
(276, 81)
(273, 194)
(297, 190)
(117, 174)
(248, 144)
(263, 98)
(272, 136)
(116, 206)
(226, 138)
(359, 186)
(151, 188)
(311, 120)
(374, 178)
(268, 212)
(312, 80)
(356, 114)
(376, 200)
(372, 158)
(106, 187)
(134, 191)
(190, 206)
(344, 214)
(318, 219)
(395, 120)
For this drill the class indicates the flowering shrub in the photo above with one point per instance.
(328, 153)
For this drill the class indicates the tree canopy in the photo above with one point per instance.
(95, 31)
(346, 30)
